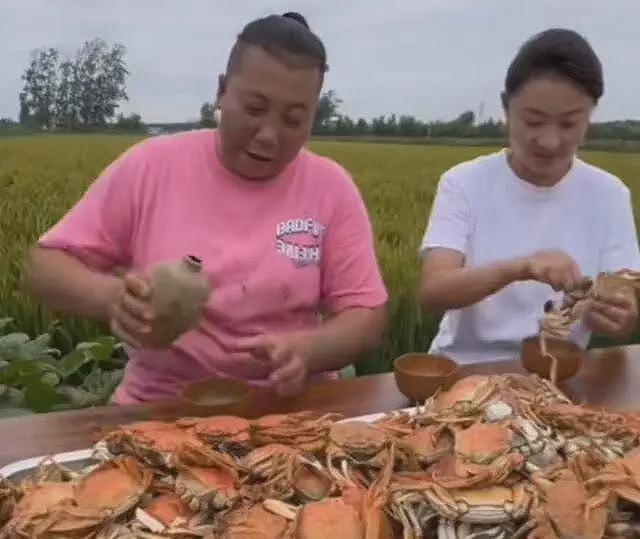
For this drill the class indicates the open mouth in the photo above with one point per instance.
(259, 157)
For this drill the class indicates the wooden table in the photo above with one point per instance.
(609, 377)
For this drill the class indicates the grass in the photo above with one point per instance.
(42, 176)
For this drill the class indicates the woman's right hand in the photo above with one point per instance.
(131, 313)
(553, 267)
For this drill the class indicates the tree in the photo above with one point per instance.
(133, 122)
(38, 95)
(466, 118)
(327, 109)
(68, 95)
(101, 74)
(362, 128)
(207, 115)
(408, 126)
(85, 89)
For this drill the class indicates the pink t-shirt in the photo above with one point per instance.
(276, 252)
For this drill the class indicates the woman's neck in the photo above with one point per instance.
(538, 179)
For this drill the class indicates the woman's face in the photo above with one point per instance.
(267, 110)
(548, 120)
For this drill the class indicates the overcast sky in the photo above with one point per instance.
(428, 58)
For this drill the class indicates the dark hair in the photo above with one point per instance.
(287, 36)
(558, 52)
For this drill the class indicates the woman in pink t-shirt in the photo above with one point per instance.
(283, 235)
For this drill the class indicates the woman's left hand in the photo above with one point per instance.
(289, 361)
(612, 314)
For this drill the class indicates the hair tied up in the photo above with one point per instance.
(296, 17)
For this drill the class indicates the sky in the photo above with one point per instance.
(432, 59)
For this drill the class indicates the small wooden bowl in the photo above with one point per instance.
(217, 396)
(420, 375)
(568, 353)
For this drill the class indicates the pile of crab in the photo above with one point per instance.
(492, 457)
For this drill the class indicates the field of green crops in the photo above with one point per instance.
(41, 177)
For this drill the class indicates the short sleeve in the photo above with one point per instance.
(98, 229)
(350, 273)
(620, 249)
(450, 222)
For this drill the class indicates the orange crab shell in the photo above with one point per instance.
(158, 436)
(483, 442)
(571, 511)
(43, 497)
(358, 437)
(311, 483)
(115, 486)
(429, 443)
(464, 390)
(231, 428)
(331, 517)
(254, 523)
(166, 508)
(268, 459)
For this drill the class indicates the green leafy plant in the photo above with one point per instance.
(36, 376)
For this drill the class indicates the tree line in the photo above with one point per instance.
(76, 92)
(329, 121)
(84, 91)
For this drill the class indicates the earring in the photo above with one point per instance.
(217, 115)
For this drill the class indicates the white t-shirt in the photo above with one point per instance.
(485, 211)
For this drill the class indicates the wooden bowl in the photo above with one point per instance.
(568, 353)
(420, 375)
(217, 396)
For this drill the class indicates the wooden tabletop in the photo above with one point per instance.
(608, 378)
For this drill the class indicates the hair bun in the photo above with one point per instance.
(296, 17)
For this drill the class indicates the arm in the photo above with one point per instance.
(67, 285)
(447, 284)
(445, 281)
(71, 268)
(612, 315)
(341, 339)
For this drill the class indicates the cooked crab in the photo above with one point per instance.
(254, 522)
(225, 432)
(428, 444)
(307, 431)
(167, 514)
(151, 441)
(568, 510)
(283, 471)
(205, 478)
(356, 443)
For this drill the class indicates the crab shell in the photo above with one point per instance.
(359, 440)
(570, 510)
(46, 511)
(482, 443)
(304, 430)
(428, 444)
(64, 521)
(223, 432)
(492, 505)
(622, 476)
(169, 510)
(205, 478)
(43, 497)
(254, 522)
(114, 487)
(269, 460)
(151, 441)
(467, 395)
(8, 497)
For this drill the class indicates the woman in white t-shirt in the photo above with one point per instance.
(511, 230)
